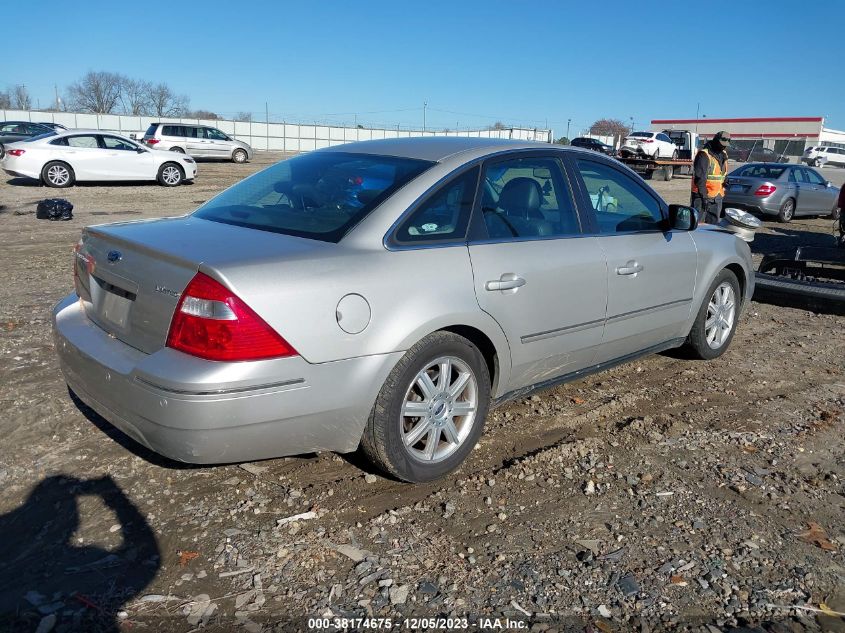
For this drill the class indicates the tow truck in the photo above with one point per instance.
(666, 168)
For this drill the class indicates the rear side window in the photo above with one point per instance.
(174, 130)
(60, 141)
(319, 195)
(527, 197)
(620, 203)
(87, 141)
(444, 216)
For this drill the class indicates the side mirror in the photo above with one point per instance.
(828, 184)
(682, 218)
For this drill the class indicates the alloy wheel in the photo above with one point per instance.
(439, 409)
(721, 314)
(58, 175)
(171, 175)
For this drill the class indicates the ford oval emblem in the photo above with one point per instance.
(114, 256)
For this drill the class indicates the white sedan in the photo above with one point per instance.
(61, 159)
(653, 144)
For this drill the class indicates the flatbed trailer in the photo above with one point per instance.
(666, 168)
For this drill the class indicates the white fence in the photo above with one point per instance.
(288, 137)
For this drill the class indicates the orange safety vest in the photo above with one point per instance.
(715, 178)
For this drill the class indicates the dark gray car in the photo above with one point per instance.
(781, 190)
(13, 131)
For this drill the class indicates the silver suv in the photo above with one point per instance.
(199, 141)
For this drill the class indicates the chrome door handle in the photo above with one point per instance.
(508, 281)
(630, 268)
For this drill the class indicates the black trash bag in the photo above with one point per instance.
(54, 209)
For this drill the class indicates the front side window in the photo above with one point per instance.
(813, 177)
(663, 137)
(112, 142)
(216, 135)
(319, 195)
(527, 197)
(83, 141)
(621, 204)
(444, 216)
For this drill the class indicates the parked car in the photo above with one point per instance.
(61, 159)
(652, 144)
(358, 295)
(14, 131)
(780, 190)
(199, 141)
(824, 155)
(56, 127)
(739, 154)
(593, 144)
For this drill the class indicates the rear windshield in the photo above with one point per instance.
(40, 136)
(151, 131)
(641, 134)
(320, 195)
(760, 171)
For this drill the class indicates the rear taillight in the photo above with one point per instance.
(15, 152)
(213, 323)
(648, 140)
(151, 141)
(765, 190)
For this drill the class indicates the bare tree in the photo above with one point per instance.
(203, 114)
(135, 96)
(243, 116)
(609, 127)
(96, 92)
(165, 102)
(20, 98)
(498, 125)
(5, 100)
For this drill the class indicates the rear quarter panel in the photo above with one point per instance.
(410, 294)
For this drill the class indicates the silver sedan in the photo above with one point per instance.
(780, 189)
(383, 296)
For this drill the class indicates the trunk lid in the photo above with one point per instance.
(130, 275)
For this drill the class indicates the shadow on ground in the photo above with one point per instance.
(48, 571)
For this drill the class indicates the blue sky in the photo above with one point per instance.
(473, 61)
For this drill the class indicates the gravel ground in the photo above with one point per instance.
(662, 495)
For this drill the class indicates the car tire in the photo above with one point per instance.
(668, 172)
(426, 447)
(57, 174)
(817, 163)
(787, 210)
(239, 156)
(707, 343)
(178, 150)
(170, 175)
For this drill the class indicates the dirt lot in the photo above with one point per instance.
(665, 494)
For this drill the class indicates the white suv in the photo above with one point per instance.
(200, 141)
(824, 155)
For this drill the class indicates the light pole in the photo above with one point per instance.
(425, 105)
(632, 124)
(568, 121)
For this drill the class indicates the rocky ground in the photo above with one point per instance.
(662, 495)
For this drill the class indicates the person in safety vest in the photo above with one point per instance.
(708, 179)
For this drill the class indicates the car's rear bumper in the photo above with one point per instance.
(752, 203)
(177, 406)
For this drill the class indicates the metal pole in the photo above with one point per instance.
(425, 105)
(266, 127)
(568, 121)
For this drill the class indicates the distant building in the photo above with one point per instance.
(785, 135)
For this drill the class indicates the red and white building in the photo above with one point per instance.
(787, 135)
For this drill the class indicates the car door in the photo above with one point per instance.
(195, 141)
(651, 271)
(822, 198)
(126, 163)
(219, 145)
(82, 152)
(534, 270)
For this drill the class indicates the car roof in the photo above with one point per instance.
(433, 148)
